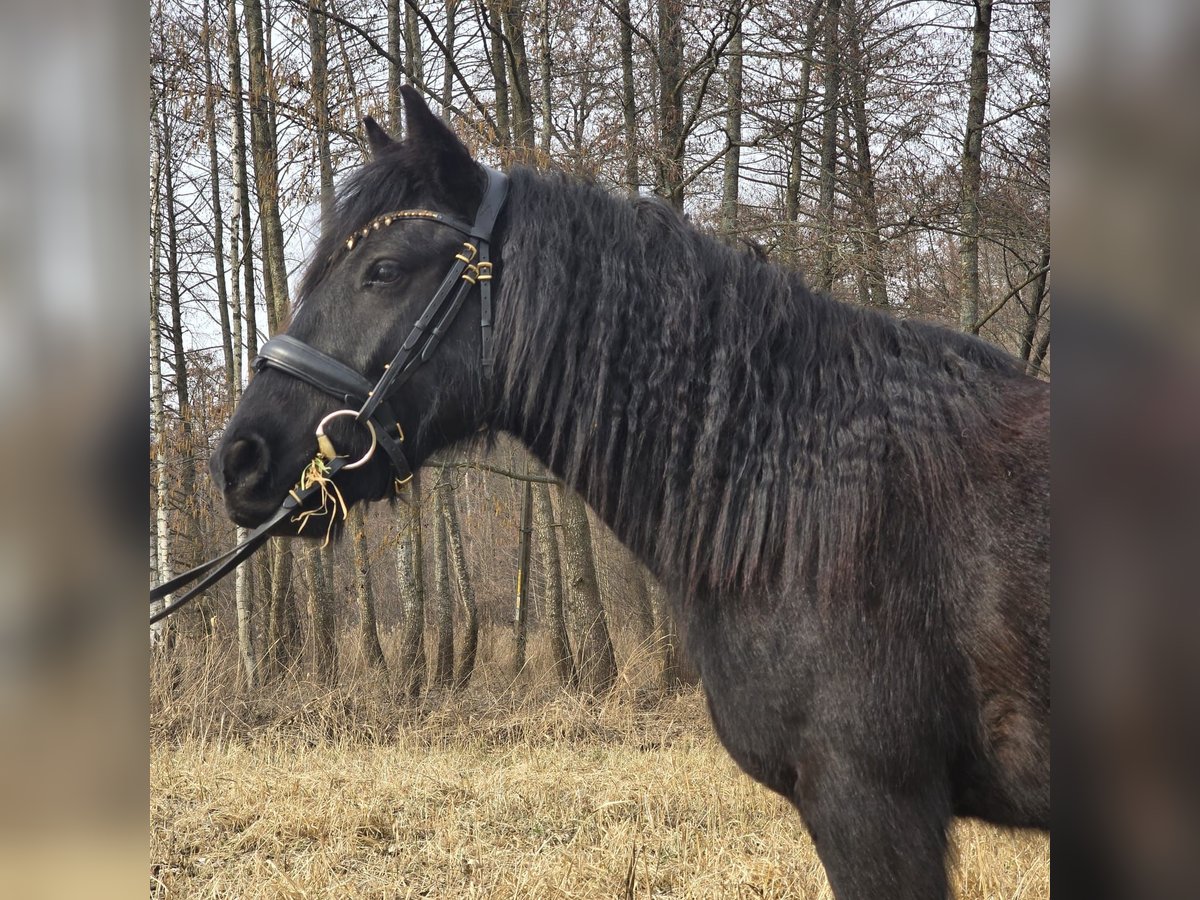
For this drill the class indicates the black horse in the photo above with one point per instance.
(850, 512)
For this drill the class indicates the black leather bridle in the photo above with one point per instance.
(472, 266)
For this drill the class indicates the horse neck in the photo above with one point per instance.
(635, 366)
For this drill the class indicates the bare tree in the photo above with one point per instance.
(320, 590)
(545, 65)
(266, 169)
(413, 53)
(826, 211)
(160, 544)
(791, 203)
(283, 621)
(597, 661)
(552, 577)
(521, 613)
(395, 32)
(972, 164)
(447, 68)
(677, 669)
(211, 86)
(321, 615)
(733, 129)
(318, 42)
(513, 19)
(1033, 314)
(670, 101)
(873, 291)
(458, 559)
(368, 630)
(496, 61)
(410, 569)
(282, 618)
(628, 97)
(241, 179)
(443, 668)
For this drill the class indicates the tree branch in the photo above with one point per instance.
(999, 306)
(465, 464)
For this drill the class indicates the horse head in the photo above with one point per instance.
(403, 229)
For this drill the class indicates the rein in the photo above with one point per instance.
(472, 266)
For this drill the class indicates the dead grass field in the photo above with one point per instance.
(492, 795)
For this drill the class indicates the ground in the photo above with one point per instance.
(560, 798)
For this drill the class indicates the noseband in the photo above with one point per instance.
(472, 265)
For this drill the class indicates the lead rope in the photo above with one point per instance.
(316, 479)
(207, 574)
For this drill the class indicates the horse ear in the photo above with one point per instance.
(427, 132)
(378, 139)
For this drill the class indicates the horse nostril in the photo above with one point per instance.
(244, 462)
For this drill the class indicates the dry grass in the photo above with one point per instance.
(502, 793)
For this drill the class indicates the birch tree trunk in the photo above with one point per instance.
(972, 165)
(160, 544)
(243, 593)
(597, 662)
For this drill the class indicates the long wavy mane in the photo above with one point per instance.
(729, 423)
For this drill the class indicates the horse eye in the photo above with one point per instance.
(384, 271)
